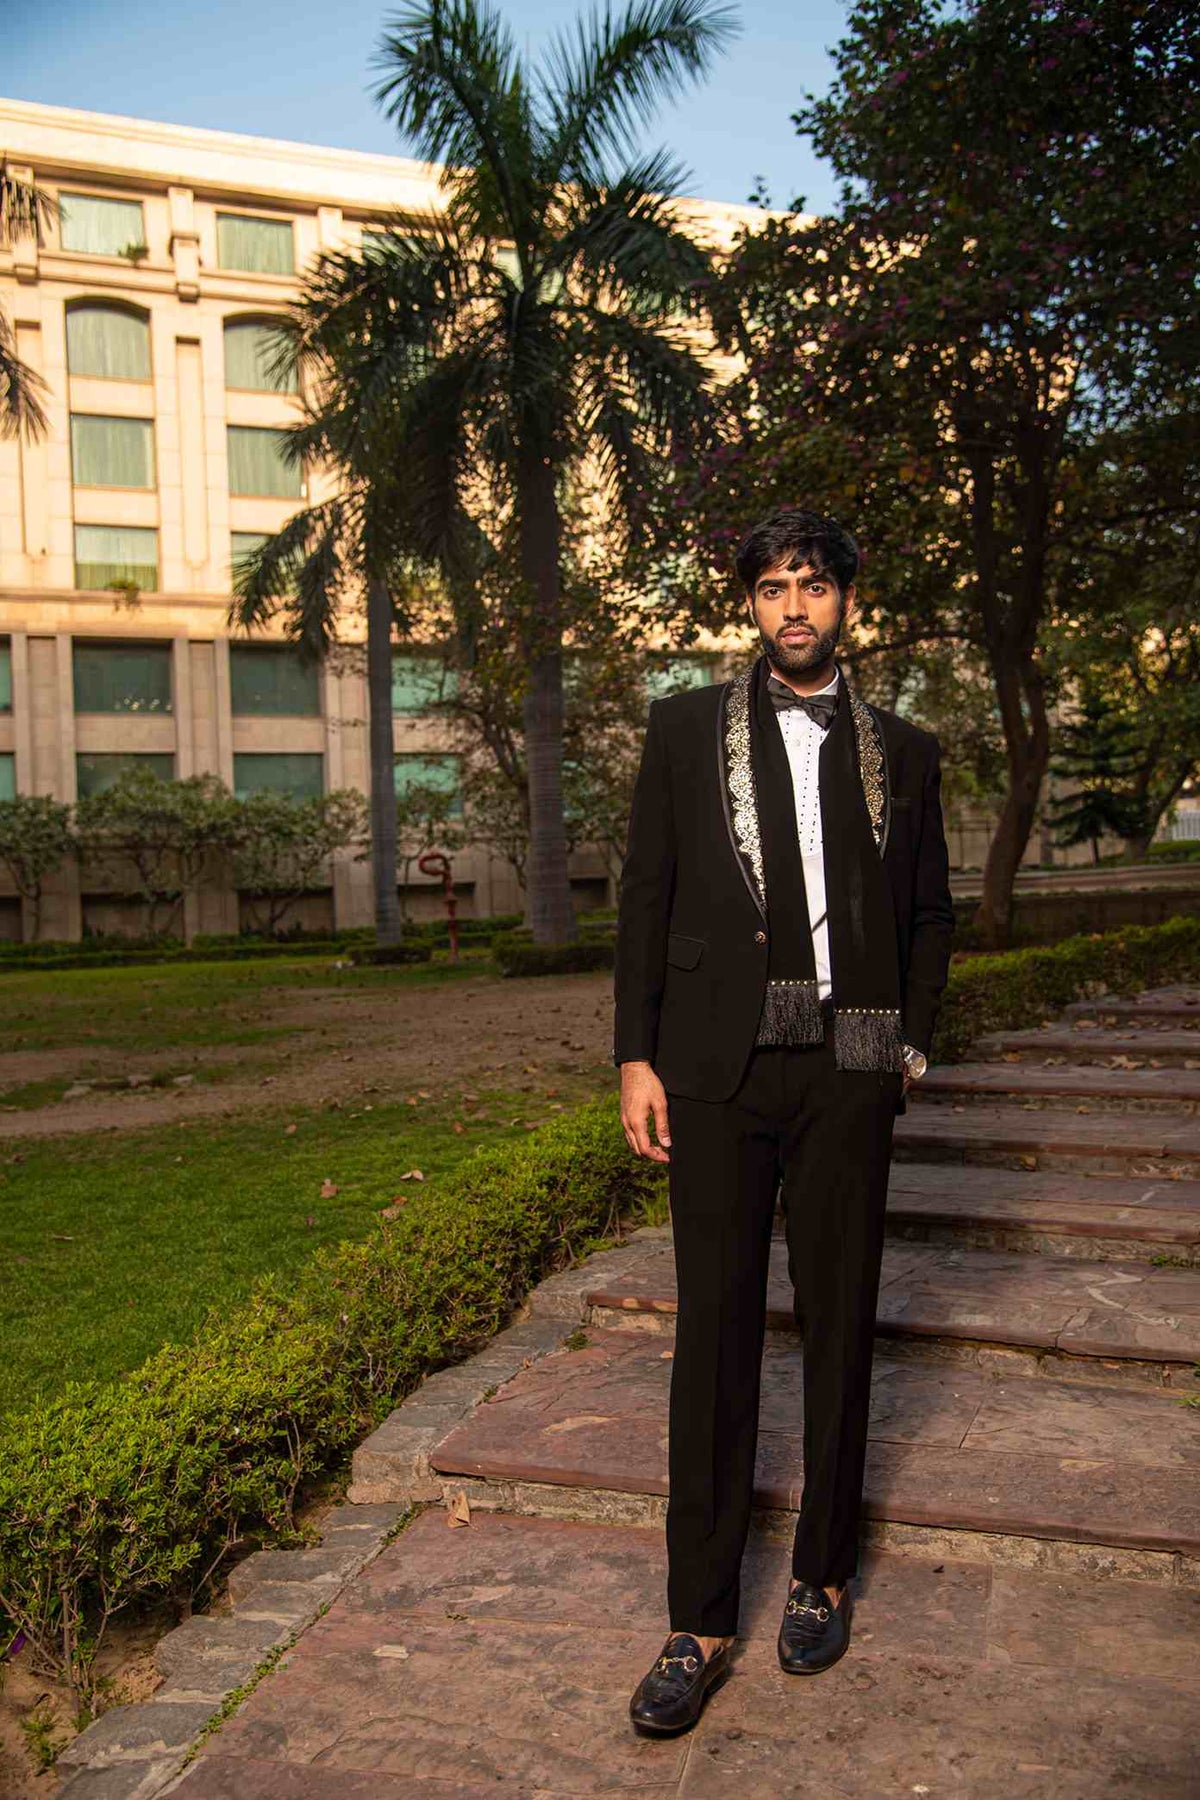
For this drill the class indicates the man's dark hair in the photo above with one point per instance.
(792, 536)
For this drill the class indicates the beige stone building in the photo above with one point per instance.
(144, 310)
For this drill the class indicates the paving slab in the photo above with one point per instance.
(1050, 1137)
(1110, 1309)
(1177, 1008)
(500, 1657)
(949, 1445)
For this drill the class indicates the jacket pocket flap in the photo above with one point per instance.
(684, 952)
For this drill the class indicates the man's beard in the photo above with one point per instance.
(802, 653)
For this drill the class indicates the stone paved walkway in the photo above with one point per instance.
(1028, 1606)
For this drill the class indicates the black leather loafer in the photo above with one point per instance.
(670, 1696)
(814, 1632)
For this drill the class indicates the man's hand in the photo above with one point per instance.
(643, 1097)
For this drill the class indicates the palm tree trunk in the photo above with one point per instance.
(549, 911)
(383, 778)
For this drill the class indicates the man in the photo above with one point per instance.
(782, 943)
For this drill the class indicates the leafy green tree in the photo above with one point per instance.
(1003, 306)
(1094, 759)
(35, 840)
(537, 331)
(281, 848)
(24, 209)
(171, 835)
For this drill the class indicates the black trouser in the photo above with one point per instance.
(827, 1133)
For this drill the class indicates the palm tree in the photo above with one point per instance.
(24, 209)
(536, 330)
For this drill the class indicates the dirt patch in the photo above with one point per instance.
(340, 1045)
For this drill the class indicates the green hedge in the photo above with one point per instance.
(1016, 988)
(517, 955)
(114, 1494)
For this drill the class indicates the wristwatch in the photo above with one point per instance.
(915, 1062)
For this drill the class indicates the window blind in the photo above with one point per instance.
(109, 342)
(108, 553)
(260, 246)
(257, 465)
(99, 227)
(110, 452)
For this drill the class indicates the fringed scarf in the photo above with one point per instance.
(864, 962)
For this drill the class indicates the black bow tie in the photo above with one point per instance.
(820, 707)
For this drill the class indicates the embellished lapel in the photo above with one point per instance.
(738, 797)
(740, 800)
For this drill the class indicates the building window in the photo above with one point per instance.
(418, 682)
(259, 246)
(257, 465)
(8, 775)
(100, 227)
(251, 349)
(96, 770)
(107, 452)
(299, 774)
(108, 341)
(674, 674)
(5, 677)
(272, 679)
(436, 773)
(122, 678)
(107, 554)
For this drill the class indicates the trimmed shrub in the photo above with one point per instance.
(520, 956)
(124, 1492)
(392, 953)
(1015, 988)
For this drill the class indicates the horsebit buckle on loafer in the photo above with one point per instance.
(798, 1606)
(690, 1663)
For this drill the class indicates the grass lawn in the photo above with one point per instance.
(111, 1245)
(157, 1006)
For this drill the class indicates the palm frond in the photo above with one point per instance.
(24, 207)
(300, 573)
(451, 82)
(624, 240)
(605, 79)
(21, 391)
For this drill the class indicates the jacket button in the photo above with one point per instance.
(760, 937)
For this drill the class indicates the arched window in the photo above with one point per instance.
(250, 352)
(106, 340)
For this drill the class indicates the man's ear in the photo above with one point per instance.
(850, 611)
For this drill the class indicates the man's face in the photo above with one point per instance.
(799, 614)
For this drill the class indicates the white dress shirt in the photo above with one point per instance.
(802, 738)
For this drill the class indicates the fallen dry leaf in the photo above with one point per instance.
(459, 1510)
(288, 1130)
(328, 1189)
(411, 1175)
(459, 1126)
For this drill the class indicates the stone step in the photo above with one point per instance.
(1156, 1145)
(1081, 1088)
(1174, 1008)
(1058, 1310)
(1087, 1043)
(1098, 1217)
(952, 1449)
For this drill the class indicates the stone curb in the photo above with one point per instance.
(393, 1463)
(133, 1752)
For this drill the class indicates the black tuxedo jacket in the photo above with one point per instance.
(691, 965)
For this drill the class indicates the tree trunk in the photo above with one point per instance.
(383, 777)
(1028, 756)
(549, 911)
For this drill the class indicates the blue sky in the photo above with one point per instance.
(301, 69)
